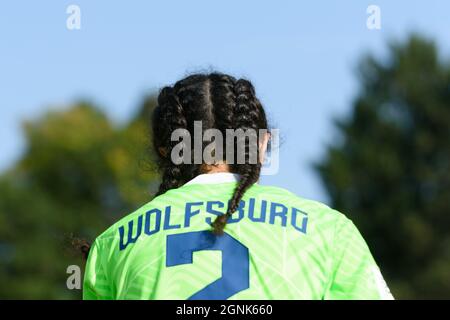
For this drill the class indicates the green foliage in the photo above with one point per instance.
(390, 170)
(78, 175)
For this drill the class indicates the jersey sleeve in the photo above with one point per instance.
(95, 283)
(355, 274)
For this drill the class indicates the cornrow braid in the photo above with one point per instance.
(220, 102)
(170, 116)
(248, 114)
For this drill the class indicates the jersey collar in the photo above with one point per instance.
(210, 178)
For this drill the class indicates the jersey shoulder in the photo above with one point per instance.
(111, 232)
(315, 209)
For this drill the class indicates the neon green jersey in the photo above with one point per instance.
(276, 246)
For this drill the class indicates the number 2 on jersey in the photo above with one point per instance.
(235, 261)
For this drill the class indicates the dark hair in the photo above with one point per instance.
(80, 245)
(221, 102)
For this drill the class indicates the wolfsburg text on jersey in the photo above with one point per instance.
(157, 219)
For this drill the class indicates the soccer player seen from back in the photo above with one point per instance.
(213, 231)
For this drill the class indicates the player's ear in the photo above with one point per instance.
(263, 141)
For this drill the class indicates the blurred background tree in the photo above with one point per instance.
(390, 170)
(77, 176)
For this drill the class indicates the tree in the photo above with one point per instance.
(390, 169)
(78, 175)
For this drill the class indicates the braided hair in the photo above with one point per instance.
(220, 102)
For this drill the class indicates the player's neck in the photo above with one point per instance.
(216, 168)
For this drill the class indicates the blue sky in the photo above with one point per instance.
(301, 57)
